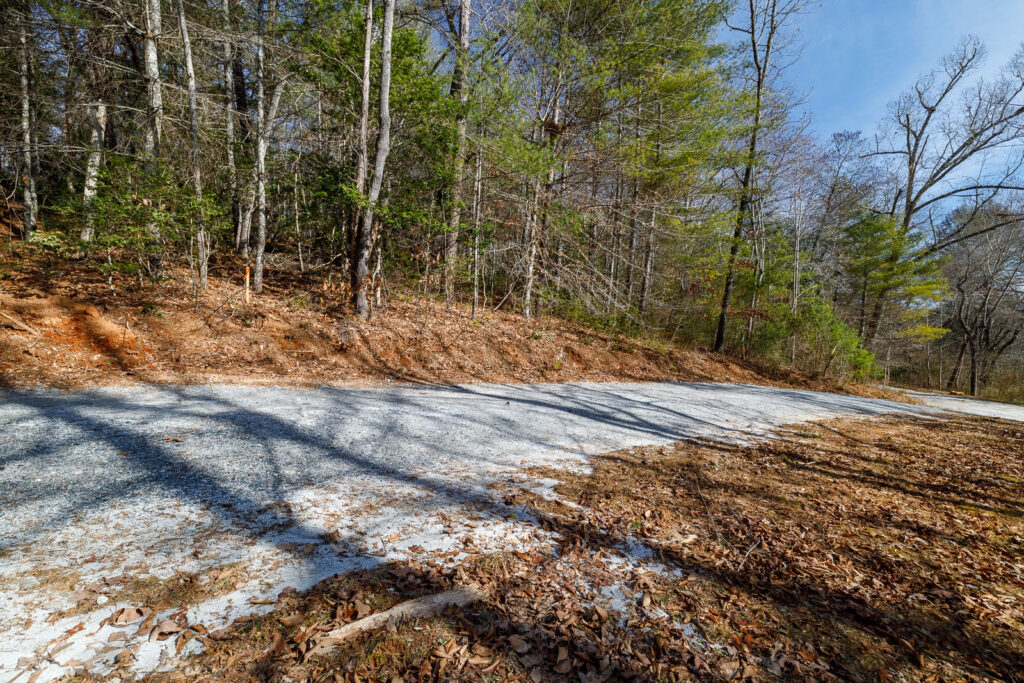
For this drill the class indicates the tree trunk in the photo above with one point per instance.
(459, 90)
(155, 115)
(645, 284)
(262, 122)
(229, 125)
(875, 321)
(634, 218)
(954, 376)
(30, 208)
(241, 96)
(247, 210)
(477, 183)
(266, 114)
(97, 127)
(261, 159)
(154, 131)
(730, 279)
(245, 136)
(794, 302)
(295, 210)
(762, 61)
(362, 152)
(364, 236)
(531, 257)
(974, 367)
(202, 238)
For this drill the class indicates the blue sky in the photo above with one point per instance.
(858, 55)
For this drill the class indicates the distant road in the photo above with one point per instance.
(971, 406)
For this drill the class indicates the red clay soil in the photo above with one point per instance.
(63, 324)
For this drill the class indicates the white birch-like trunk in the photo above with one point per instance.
(229, 124)
(202, 238)
(154, 129)
(531, 256)
(31, 210)
(97, 129)
(477, 185)
(645, 286)
(155, 113)
(265, 115)
(364, 236)
(261, 156)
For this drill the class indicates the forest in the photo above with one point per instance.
(635, 167)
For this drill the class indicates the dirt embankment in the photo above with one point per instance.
(65, 326)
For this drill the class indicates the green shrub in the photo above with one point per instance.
(814, 338)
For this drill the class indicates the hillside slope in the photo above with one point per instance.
(70, 328)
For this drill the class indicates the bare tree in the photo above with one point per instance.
(365, 234)
(942, 138)
(986, 272)
(936, 136)
(229, 123)
(30, 201)
(155, 110)
(202, 238)
(764, 19)
(459, 91)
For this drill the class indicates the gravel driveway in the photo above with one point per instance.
(293, 485)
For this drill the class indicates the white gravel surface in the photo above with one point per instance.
(289, 486)
(971, 406)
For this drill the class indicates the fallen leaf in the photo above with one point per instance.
(127, 615)
(518, 644)
(165, 629)
(292, 620)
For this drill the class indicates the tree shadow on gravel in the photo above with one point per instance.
(148, 445)
(144, 461)
(131, 441)
(147, 461)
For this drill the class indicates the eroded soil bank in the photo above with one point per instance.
(66, 327)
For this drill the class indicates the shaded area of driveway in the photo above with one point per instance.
(142, 477)
(65, 454)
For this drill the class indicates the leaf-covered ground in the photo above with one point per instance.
(850, 549)
(62, 325)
